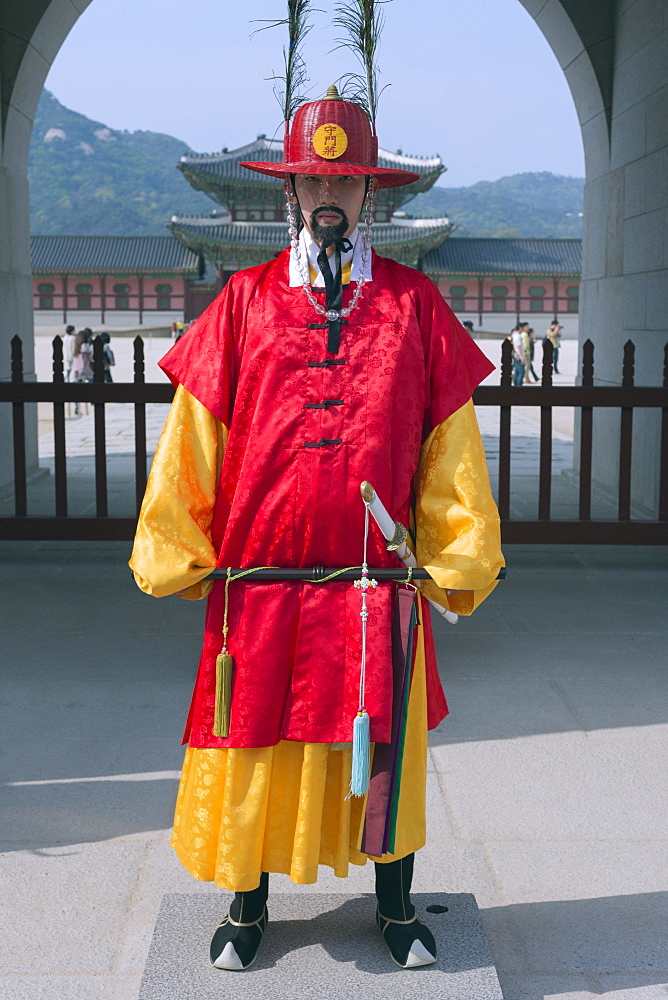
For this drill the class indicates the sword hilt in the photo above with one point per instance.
(393, 532)
(367, 491)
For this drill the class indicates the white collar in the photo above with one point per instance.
(309, 251)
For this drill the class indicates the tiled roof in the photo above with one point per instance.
(226, 165)
(110, 253)
(275, 234)
(505, 256)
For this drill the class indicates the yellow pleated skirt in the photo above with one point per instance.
(286, 808)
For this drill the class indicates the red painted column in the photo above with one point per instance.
(141, 298)
(103, 296)
(64, 279)
(555, 297)
(187, 301)
(480, 299)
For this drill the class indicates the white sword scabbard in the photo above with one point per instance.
(397, 537)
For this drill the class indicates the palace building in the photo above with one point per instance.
(152, 281)
(116, 281)
(494, 282)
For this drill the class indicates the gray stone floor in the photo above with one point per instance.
(319, 945)
(547, 783)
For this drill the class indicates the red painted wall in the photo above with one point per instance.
(113, 301)
(465, 297)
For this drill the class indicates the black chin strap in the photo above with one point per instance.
(333, 288)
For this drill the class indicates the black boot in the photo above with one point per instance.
(236, 941)
(411, 943)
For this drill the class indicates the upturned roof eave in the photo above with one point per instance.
(77, 254)
(482, 272)
(109, 269)
(509, 257)
(422, 239)
(225, 169)
(201, 234)
(254, 179)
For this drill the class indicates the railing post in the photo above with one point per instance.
(504, 432)
(545, 467)
(140, 426)
(663, 464)
(19, 434)
(59, 447)
(586, 423)
(101, 503)
(547, 366)
(98, 359)
(626, 437)
(139, 365)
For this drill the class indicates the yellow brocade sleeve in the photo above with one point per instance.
(458, 536)
(172, 550)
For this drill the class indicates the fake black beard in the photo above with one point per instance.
(324, 235)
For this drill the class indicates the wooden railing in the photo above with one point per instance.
(586, 397)
(59, 392)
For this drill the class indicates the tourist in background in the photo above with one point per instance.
(108, 358)
(68, 352)
(519, 363)
(528, 346)
(82, 356)
(468, 326)
(553, 335)
(82, 359)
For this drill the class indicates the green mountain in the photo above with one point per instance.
(538, 204)
(87, 179)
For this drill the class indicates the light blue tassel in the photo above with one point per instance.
(359, 777)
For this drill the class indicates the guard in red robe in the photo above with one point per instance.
(324, 367)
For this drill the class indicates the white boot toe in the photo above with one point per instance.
(228, 959)
(418, 955)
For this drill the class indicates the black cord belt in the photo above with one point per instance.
(325, 403)
(320, 573)
(322, 442)
(327, 363)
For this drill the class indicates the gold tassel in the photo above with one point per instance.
(224, 669)
(221, 718)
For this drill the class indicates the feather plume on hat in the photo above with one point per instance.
(336, 135)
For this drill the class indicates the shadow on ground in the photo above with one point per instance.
(570, 947)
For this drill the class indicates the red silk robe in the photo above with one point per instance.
(305, 428)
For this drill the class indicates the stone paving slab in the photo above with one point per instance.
(69, 987)
(319, 945)
(610, 788)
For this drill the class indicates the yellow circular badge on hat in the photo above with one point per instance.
(330, 141)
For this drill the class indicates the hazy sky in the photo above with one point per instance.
(472, 80)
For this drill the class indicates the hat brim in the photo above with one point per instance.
(386, 177)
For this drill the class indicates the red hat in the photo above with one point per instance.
(332, 136)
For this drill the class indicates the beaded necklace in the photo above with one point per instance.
(332, 314)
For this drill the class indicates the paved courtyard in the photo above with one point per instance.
(547, 783)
